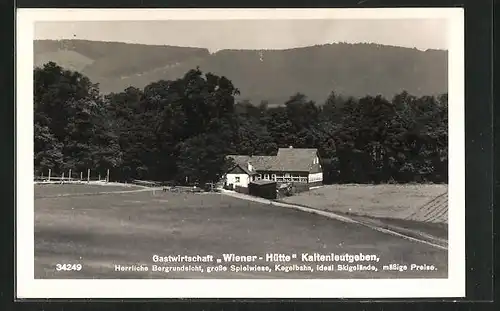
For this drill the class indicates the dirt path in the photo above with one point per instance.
(413, 234)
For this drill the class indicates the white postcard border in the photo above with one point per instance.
(28, 287)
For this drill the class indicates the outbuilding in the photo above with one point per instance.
(263, 188)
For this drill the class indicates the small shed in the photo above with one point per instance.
(263, 188)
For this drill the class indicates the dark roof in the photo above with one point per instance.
(287, 160)
(295, 159)
(242, 162)
(263, 182)
(239, 159)
(242, 167)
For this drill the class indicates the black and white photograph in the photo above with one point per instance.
(240, 153)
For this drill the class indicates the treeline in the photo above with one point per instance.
(183, 129)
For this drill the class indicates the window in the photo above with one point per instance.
(273, 177)
(287, 175)
(237, 179)
(266, 176)
(303, 179)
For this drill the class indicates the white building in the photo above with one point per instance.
(290, 165)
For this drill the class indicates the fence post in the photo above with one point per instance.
(88, 175)
(69, 175)
(49, 173)
(107, 176)
(81, 176)
(99, 178)
(62, 178)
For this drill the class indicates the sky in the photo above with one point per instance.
(254, 34)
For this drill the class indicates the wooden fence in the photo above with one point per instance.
(71, 176)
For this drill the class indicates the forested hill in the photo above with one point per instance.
(272, 75)
(182, 130)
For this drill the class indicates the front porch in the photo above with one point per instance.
(281, 177)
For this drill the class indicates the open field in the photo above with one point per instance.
(101, 231)
(421, 203)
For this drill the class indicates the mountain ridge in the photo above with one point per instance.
(261, 75)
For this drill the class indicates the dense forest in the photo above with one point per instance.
(270, 75)
(183, 129)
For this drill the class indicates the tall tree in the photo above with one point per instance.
(71, 123)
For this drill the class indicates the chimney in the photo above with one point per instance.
(291, 147)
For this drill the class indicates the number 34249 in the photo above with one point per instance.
(68, 267)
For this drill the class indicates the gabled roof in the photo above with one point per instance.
(241, 161)
(242, 167)
(287, 160)
(296, 159)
